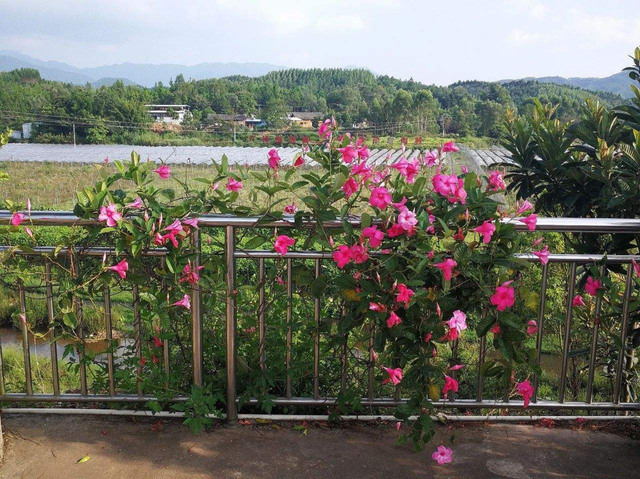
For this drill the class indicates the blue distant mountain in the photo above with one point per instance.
(618, 83)
(130, 73)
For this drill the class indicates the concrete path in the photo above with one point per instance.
(50, 447)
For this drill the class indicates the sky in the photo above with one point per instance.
(437, 42)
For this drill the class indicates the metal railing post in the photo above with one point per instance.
(196, 315)
(25, 342)
(230, 247)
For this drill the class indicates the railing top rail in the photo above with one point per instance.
(559, 225)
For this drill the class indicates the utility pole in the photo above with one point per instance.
(74, 135)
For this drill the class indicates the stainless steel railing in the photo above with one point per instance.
(231, 224)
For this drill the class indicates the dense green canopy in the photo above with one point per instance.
(352, 95)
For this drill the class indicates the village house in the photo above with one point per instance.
(171, 114)
(303, 119)
(235, 119)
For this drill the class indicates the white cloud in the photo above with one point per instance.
(533, 8)
(520, 37)
(602, 29)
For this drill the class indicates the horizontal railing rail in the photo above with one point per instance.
(230, 224)
(557, 225)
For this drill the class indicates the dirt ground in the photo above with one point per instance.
(47, 446)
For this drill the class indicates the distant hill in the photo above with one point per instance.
(149, 74)
(8, 63)
(111, 81)
(131, 73)
(618, 83)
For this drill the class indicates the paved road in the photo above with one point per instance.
(50, 446)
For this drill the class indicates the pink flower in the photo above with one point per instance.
(578, 300)
(450, 384)
(431, 158)
(525, 389)
(274, 159)
(291, 209)
(282, 244)
(380, 198)
(395, 230)
(193, 222)
(443, 455)
(404, 294)
(363, 152)
(350, 187)
(380, 308)
(451, 187)
(157, 342)
(504, 297)
(464, 169)
(532, 327)
(136, 204)
(174, 227)
(184, 302)
(543, 254)
(342, 256)
(444, 184)
(496, 329)
(408, 169)
(29, 232)
(525, 206)
(395, 376)
(349, 153)
(359, 254)
(486, 229)
(393, 320)
(407, 219)
(457, 367)
(458, 321)
(299, 162)
(110, 215)
(324, 130)
(450, 146)
(164, 171)
(636, 267)
(174, 230)
(496, 181)
(592, 286)
(16, 219)
(234, 185)
(190, 274)
(121, 268)
(530, 221)
(375, 236)
(447, 268)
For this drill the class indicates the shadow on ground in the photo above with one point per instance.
(50, 446)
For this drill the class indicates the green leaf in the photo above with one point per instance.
(365, 219)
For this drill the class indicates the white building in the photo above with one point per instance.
(24, 133)
(172, 114)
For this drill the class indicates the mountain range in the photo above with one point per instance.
(142, 74)
(617, 83)
(147, 75)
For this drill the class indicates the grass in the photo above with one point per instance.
(41, 375)
(53, 185)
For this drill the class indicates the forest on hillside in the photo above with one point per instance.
(353, 96)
